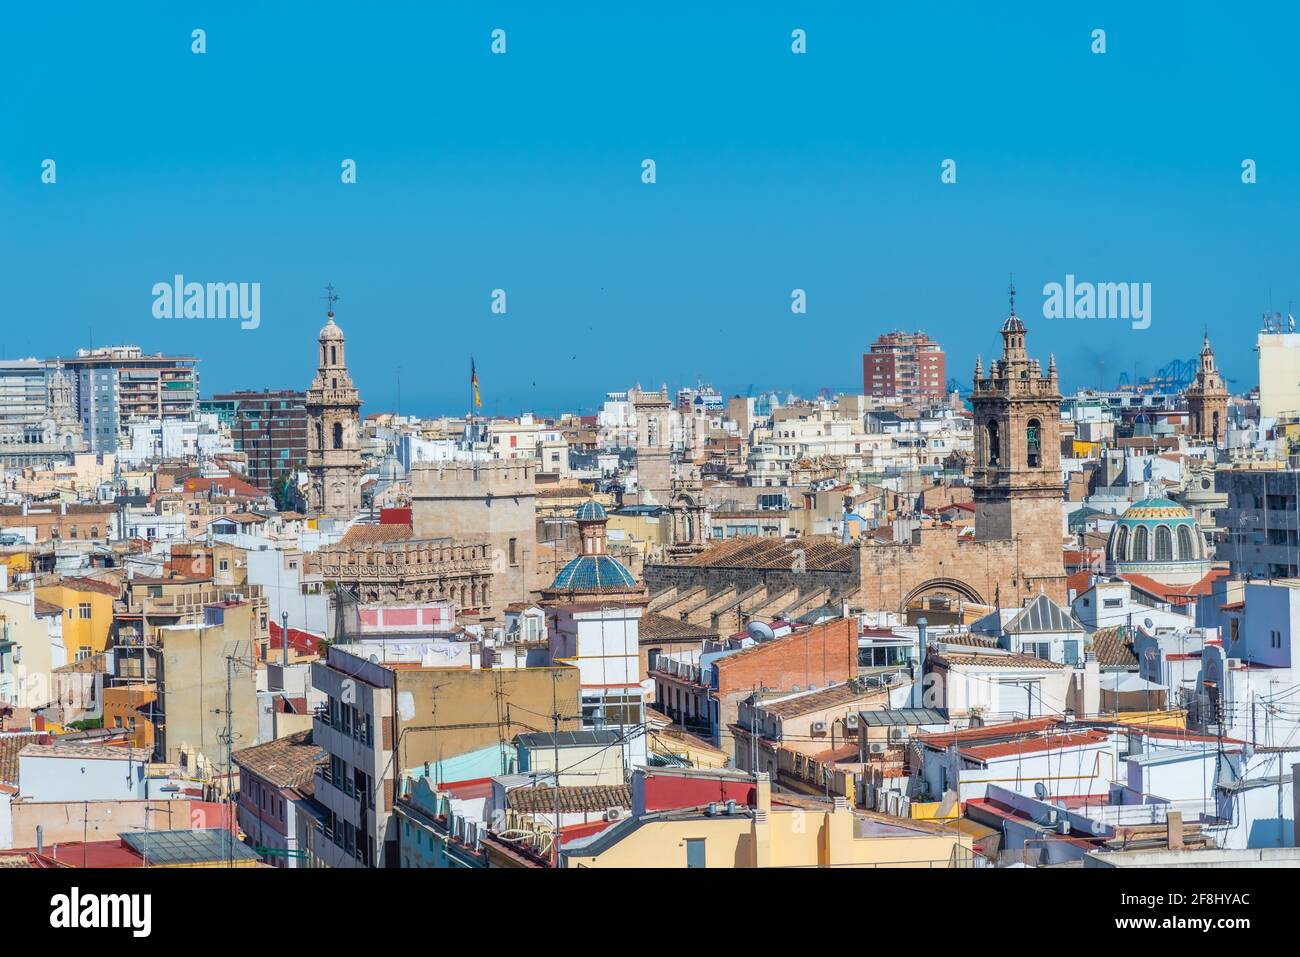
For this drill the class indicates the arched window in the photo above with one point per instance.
(995, 452)
(1032, 444)
(320, 436)
(1164, 544)
(1121, 545)
(1186, 550)
(1140, 550)
(338, 435)
(334, 358)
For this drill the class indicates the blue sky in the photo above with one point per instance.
(522, 172)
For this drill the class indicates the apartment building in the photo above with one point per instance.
(113, 386)
(904, 365)
(390, 709)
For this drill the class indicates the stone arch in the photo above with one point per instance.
(1120, 552)
(942, 584)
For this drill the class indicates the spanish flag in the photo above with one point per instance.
(473, 384)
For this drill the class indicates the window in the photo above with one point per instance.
(338, 435)
(1112, 603)
(1186, 552)
(1140, 550)
(83, 610)
(994, 450)
(1164, 544)
(695, 852)
(514, 558)
(1032, 446)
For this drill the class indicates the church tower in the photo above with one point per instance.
(334, 430)
(1017, 478)
(653, 446)
(1207, 400)
(61, 426)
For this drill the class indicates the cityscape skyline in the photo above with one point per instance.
(794, 173)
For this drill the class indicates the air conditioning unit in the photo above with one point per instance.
(851, 722)
(897, 734)
(819, 727)
(878, 747)
(613, 813)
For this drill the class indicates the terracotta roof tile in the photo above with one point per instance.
(541, 799)
(286, 762)
(359, 536)
(1113, 648)
(658, 627)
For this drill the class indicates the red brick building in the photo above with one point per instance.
(904, 365)
(708, 692)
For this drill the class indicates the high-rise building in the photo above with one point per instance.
(270, 428)
(1279, 368)
(37, 421)
(334, 435)
(113, 386)
(904, 365)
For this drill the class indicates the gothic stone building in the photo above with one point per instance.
(384, 563)
(1016, 551)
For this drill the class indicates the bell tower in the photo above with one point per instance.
(1017, 476)
(334, 429)
(1207, 400)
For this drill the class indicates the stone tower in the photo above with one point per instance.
(653, 446)
(1017, 476)
(334, 431)
(1207, 400)
(494, 502)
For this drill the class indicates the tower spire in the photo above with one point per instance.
(1011, 292)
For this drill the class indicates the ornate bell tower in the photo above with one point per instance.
(1207, 400)
(1017, 475)
(334, 429)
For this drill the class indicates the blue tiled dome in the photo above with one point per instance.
(594, 573)
(591, 512)
(1153, 531)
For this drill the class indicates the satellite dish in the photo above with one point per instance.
(1040, 790)
(760, 631)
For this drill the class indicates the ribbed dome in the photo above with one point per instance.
(1154, 531)
(1156, 510)
(594, 573)
(591, 511)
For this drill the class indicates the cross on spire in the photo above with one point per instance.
(330, 298)
(1011, 291)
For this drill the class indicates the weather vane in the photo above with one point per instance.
(330, 297)
(1011, 291)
